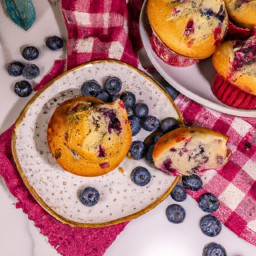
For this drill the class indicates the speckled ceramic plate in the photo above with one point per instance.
(57, 190)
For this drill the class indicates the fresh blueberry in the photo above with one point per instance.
(192, 182)
(54, 43)
(175, 213)
(135, 124)
(208, 202)
(30, 71)
(15, 68)
(149, 156)
(153, 137)
(138, 149)
(141, 110)
(113, 85)
(30, 53)
(150, 123)
(168, 124)
(23, 88)
(141, 176)
(214, 249)
(210, 225)
(90, 88)
(128, 99)
(113, 98)
(179, 193)
(89, 196)
(130, 111)
(103, 96)
(171, 91)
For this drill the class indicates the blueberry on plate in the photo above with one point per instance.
(103, 96)
(54, 43)
(130, 111)
(89, 196)
(140, 176)
(15, 68)
(175, 213)
(90, 88)
(178, 194)
(153, 137)
(128, 99)
(30, 71)
(113, 85)
(135, 124)
(168, 124)
(192, 182)
(23, 88)
(150, 123)
(214, 249)
(149, 153)
(210, 225)
(138, 149)
(141, 110)
(208, 202)
(30, 53)
(113, 98)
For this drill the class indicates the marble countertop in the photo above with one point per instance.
(150, 234)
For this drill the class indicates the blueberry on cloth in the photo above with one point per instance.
(210, 225)
(23, 88)
(192, 182)
(149, 153)
(128, 99)
(89, 196)
(150, 123)
(30, 71)
(208, 202)
(140, 176)
(175, 213)
(214, 249)
(103, 96)
(90, 88)
(15, 68)
(54, 43)
(168, 124)
(30, 53)
(178, 193)
(138, 149)
(141, 110)
(113, 85)
(135, 124)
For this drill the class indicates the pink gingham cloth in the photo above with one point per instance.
(100, 30)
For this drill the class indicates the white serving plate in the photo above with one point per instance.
(194, 81)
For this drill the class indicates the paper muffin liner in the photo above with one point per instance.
(235, 32)
(231, 95)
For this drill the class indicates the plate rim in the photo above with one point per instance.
(34, 193)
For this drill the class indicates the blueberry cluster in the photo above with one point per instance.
(208, 202)
(30, 71)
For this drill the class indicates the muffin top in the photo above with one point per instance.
(236, 62)
(192, 28)
(242, 11)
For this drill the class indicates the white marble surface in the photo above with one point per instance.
(150, 235)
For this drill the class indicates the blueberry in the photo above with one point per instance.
(153, 137)
(192, 182)
(113, 98)
(90, 88)
(208, 202)
(214, 249)
(179, 193)
(210, 225)
(103, 96)
(171, 91)
(138, 149)
(135, 124)
(175, 213)
(15, 68)
(208, 12)
(140, 176)
(149, 157)
(141, 110)
(23, 88)
(168, 124)
(113, 85)
(54, 43)
(30, 71)
(128, 99)
(89, 196)
(129, 111)
(150, 123)
(30, 53)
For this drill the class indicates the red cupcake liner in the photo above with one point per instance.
(168, 56)
(231, 95)
(235, 32)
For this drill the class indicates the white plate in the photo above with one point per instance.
(194, 81)
(57, 190)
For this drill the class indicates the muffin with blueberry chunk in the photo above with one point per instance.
(185, 31)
